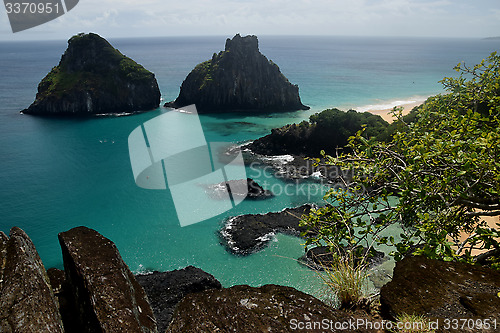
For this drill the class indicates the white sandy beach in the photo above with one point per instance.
(384, 110)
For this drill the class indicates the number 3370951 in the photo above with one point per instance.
(31, 8)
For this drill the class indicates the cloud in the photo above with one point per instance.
(312, 17)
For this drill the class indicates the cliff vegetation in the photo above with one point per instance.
(94, 77)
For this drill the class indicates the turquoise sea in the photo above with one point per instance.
(56, 174)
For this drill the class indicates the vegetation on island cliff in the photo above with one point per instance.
(436, 177)
(328, 130)
(66, 76)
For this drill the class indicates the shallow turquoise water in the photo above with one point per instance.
(60, 173)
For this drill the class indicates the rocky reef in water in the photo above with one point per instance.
(240, 78)
(239, 188)
(245, 234)
(95, 78)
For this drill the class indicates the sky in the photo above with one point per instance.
(151, 18)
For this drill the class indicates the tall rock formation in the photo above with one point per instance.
(104, 291)
(95, 78)
(27, 303)
(239, 78)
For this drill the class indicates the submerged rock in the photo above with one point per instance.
(269, 308)
(245, 234)
(322, 257)
(27, 303)
(95, 78)
(105, 293)
(239, 188)
(166, 289)
(237, 79)
(443, 290)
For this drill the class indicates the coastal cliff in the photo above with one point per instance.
(327, 130)
(237, 79)
(95, 78)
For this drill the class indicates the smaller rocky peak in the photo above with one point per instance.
(242, 45)
(89, 52)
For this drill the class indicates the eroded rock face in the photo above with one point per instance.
(27, 303)
(245, 234)
(166, 289)
(105, 293)
(269, 308)
(95, 78)
(442, 290)
(238, 78)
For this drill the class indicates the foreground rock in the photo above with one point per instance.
(269, 308)
(95, 78)
(166, 289)
(442, 290)
(27, 303)
(103, 290)
(239, 78)
(248, 233)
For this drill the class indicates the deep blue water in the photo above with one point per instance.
(60, 173)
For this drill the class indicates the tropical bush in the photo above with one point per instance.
(436, 178)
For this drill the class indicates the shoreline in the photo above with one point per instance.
(384, 110)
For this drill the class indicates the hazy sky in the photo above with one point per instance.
(137, 18)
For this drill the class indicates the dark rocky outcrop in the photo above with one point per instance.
(27, 303)
(95, 78)
(166, 289)
(245, 234)
(239, 188)
(106, 295)
(269, 308)
(328, 130)
(237, 79)
(443, 290)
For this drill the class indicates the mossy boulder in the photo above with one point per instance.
(95, 78)
(269, 308)
(240, 78)
(443, 291)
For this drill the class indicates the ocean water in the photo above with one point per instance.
(60, 173)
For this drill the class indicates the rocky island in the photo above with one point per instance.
(240, 78)
(328, 130)
(95, 78)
